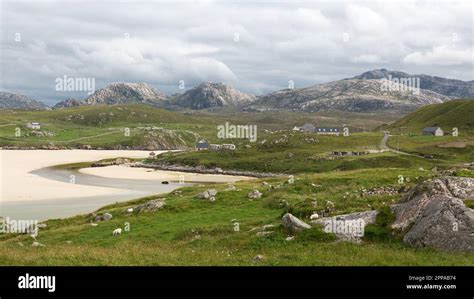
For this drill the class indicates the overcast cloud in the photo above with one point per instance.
(256, 46)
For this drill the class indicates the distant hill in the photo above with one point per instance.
(126, 93)
(69, 103)
(449, 87)
(10, 100)
(352, 96)
(456, 113)
(209, 95)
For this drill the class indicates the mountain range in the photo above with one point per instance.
(363, 93)
(10, 100)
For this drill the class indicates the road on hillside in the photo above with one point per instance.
(384, 146)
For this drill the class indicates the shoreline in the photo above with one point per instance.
(204, 170)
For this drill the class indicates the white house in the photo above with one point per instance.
(215, 146)
(433, 131)
(228, 146)
(327, 131)
(33, 125)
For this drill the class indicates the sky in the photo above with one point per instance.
(255, 46)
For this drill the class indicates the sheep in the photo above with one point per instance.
(314, 216)
(117, 232)
(130, 210)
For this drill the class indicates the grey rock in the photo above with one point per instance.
(254, 194)
(103, 217)
(352, 225)
(207, 194)
(151, 206)
(434, 215)
(293, 224)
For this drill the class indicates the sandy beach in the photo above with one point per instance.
(17, 184)
(125, 172)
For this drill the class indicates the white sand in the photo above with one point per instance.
(124, 172)
(17, 184)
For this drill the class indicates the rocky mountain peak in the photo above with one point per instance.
(208, 95)
(126, 93)
(10, 100)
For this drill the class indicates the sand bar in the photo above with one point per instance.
(138, 173)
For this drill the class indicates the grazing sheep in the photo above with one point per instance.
(117, 232)
(130, 210)
(314, 216)
(34, 234)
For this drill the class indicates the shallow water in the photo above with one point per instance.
(67, 207)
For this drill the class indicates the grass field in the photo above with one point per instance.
(189, 231)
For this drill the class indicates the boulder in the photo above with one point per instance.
(151, 206)
(207, 194)
(255, 194)
(293, 224)
(347, 227)
(103, 217)
(433, 214)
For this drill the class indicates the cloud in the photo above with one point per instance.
(442, 56)
(255, 46)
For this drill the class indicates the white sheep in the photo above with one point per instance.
(130, 210)
(314, 216)
(117, 232)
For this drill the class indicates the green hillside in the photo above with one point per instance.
(99, 126)
(456, 113)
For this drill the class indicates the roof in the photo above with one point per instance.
(326, 129)
(431, 129)
(202, 144)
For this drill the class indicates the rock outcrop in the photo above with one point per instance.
(151, 206)
(293, 224)
(347, 227)
(434, 214)
(208, 194)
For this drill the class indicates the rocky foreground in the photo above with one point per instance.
(432, 215)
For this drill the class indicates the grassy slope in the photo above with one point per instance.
(170, 236)
(457, 113)
(103, 125)
(95, 125)
(298, 153)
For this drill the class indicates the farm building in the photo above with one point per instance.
(202, 145)
(327, 131)
(228, 147)
(33, 125)
(433, 131)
